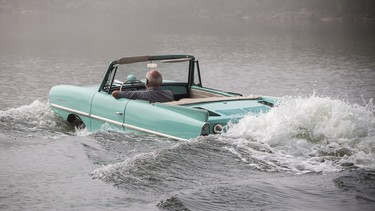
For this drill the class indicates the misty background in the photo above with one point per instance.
(54, 38)
(345, 10)
(95, 25)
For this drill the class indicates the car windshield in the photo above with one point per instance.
(171, 71)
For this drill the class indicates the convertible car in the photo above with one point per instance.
(195, 111)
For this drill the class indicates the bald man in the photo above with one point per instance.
(154, 92)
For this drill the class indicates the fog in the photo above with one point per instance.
(87, 26)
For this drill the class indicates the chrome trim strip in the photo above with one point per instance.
(153, 132)
(117, 123)
(70, 109)
(106, 120)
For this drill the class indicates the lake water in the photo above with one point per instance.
(315, 151)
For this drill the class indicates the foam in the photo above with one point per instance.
(309, 134)
(36, 119)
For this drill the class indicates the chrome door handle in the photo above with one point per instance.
(118, 113)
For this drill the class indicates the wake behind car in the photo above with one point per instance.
(196, 110)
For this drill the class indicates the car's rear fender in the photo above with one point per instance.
(165, 120)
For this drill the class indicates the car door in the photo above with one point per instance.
(170, 121)
(107, 111)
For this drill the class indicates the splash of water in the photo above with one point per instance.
(36, 119)
(313, 134)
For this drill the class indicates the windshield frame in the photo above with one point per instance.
(109, 77)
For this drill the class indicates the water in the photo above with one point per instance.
(315, 151)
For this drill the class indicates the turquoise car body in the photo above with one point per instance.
(196, 111)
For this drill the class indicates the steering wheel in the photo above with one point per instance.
(132, 82)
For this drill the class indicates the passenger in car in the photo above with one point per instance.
(154, 92)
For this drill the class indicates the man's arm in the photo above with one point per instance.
(116, 94)
(128, 94)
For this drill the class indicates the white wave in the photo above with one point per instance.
(120, 171)
(313, 134)
(37, 113)
(36, 117)
(82, 132)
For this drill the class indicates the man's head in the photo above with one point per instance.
(154, 78)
